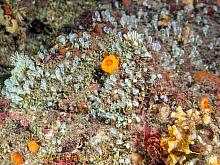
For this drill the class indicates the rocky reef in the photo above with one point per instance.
(134, 82)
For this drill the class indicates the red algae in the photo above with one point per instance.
(152, 138)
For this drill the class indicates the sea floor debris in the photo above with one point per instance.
(133, 82)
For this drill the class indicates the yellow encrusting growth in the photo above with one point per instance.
(182, 134)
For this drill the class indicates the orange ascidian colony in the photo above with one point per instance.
(205, 106)
(110, 64)
(17, 158)
(33, 146)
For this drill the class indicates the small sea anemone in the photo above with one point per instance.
(110, 64)
(17, 158)
(7, 10)
(33, 146)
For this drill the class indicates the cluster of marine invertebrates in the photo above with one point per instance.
(114, 72)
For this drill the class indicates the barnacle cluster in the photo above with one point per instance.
(35, 86)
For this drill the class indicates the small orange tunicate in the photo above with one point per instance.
(110, 64)
(33, 146)
(17, 158)
(7, 10)
(205, 106)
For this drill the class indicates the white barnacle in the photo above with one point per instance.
(179, 30)
(123, 20)
(39, 72)
(146, 31)
(128, 83)
(106, 30)
(140, 13)
(194, 52)
(72, 37)
(31, 82)
(47, 74)
(97, 16)
(174, 26)
(62, 39)
(146, 54)
(149, 39)
(80, 78)
(135, 103)
(58, 74)
(62, 69)
(81, 40)
(167, 30)
(15, 98)
(43, 49)
(103, 14)
(134, 37)
(119, 35)
(113, 78)
(26, 87)
(41, 55)
(180, 16)
(156, 46)
(205, 29)
(112, 20)
(86, 35)
(69, 78)
(43, 84)
(76, 45)
(116, 47)
(135, 91)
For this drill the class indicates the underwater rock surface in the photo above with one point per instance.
(132, 82)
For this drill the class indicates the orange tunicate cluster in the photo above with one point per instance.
(205, 106)
(110, 64)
